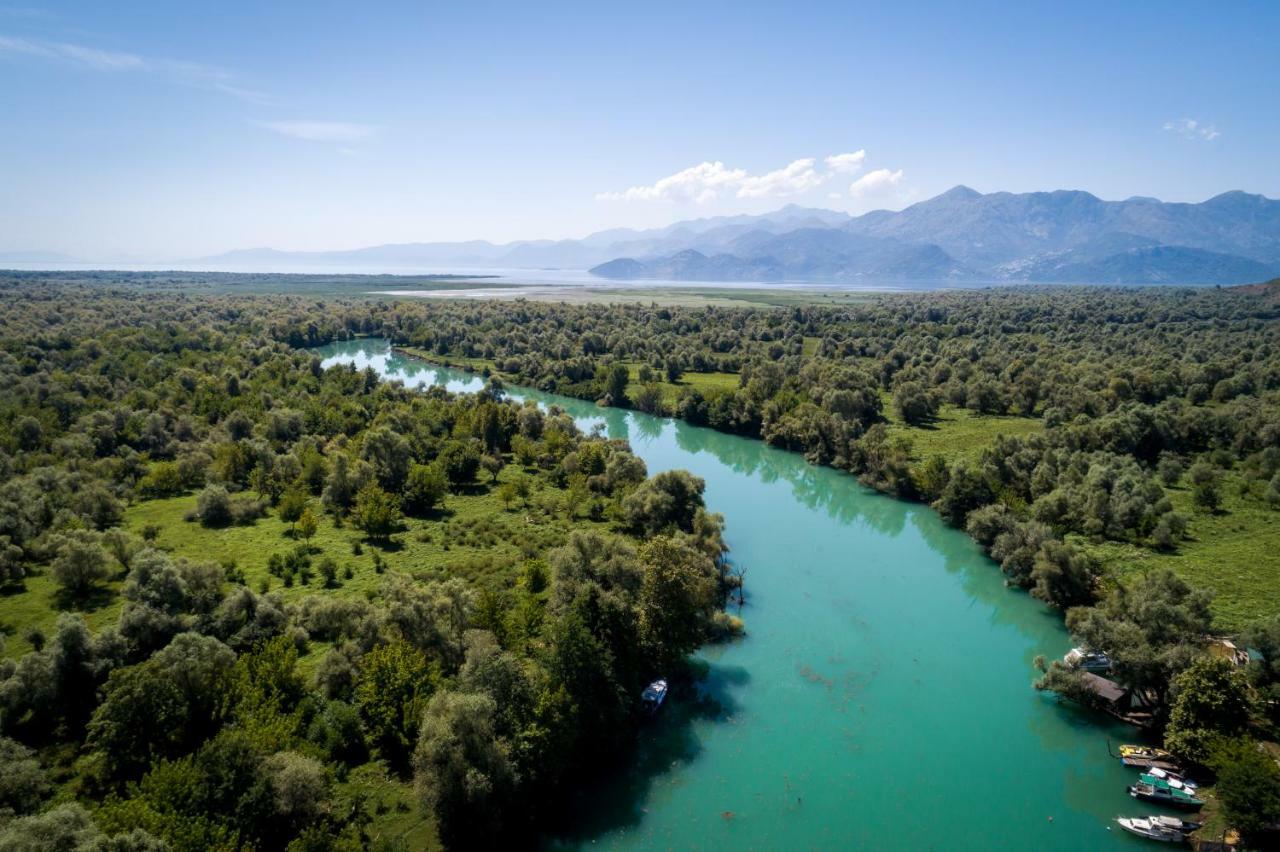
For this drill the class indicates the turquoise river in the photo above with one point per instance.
(882, 695)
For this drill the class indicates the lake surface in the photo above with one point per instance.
(882, 696)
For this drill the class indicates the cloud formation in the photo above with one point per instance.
(846, 163)
(321, 131)
(874, 183)
(93, 59)
(709, 181)
(793, 179)
(1190, 128)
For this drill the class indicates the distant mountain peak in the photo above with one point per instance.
(960, 192)
(1237, 196)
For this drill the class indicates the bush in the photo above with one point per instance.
(213, 507)
(81, 563)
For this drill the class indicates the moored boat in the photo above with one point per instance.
(1089, 661)
(1144, 753)
(653, 696)
(1163, 828)
(1162, 793)
(1175, 779)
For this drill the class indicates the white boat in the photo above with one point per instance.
(654, 694)
(1089, 661)
(1174, 779)
(1166, 829)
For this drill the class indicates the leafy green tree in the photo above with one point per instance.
(1210, 699)
(463, 770)
(390, 455)
(307, 525)
(340, 488)
(376, 512)
(1062, 575)
(1248, 787)
(670, 499)
(676, 600)
(493, 465)
(213, 506)
(460, 462)
(24, 784)
(615, 384)
(80, 564)
(65, 828)
(163, 707)
(293, 503)
(11, 568)
(913, 404)
(425, 488)
(391, 693)
(299, 789)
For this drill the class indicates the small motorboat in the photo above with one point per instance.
(1144, 753)
(1162, 793)
(1163, 828)
(1089, 661)
(653, 696)
(1175, 779)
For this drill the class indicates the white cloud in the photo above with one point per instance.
(793, 179)
(875, 183)
(321, 131)
(846, 163)
(709, 181)
(700, 184)
(187, 73)
(1190, 128)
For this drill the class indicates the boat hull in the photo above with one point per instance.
(1157, 799)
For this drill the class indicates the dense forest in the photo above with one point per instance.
(272, 699)
(1117, 452)
(1154, 443)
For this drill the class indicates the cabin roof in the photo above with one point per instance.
(1107, 690)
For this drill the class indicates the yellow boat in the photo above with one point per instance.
(1144, 752)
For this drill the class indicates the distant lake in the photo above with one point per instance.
(882, 696)
(536, 280)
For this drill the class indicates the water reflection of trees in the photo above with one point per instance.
(618, 802)
(836, 494)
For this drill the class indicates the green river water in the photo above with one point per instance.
(882, 695)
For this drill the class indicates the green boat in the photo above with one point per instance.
(1158, 791)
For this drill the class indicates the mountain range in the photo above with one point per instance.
(960, 235)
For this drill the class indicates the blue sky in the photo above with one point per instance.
(171, 130)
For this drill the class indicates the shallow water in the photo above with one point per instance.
(882, 696)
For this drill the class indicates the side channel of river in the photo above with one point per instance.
(882, 697)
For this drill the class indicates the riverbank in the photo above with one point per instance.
(882, 647)
(1225, 551)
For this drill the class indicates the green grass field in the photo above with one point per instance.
(1231, 552)
(475, 536)
(957, 433)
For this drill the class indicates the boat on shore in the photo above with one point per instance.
(1089, 661)
(654, 695)
(1156, 791)
(1146, 757)
(1175, 779)
(1166, 829)
(1144, 752)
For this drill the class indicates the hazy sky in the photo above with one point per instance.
(175, 129)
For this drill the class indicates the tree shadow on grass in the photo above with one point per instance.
(391, 544)
(92, 600)
(617, 799)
